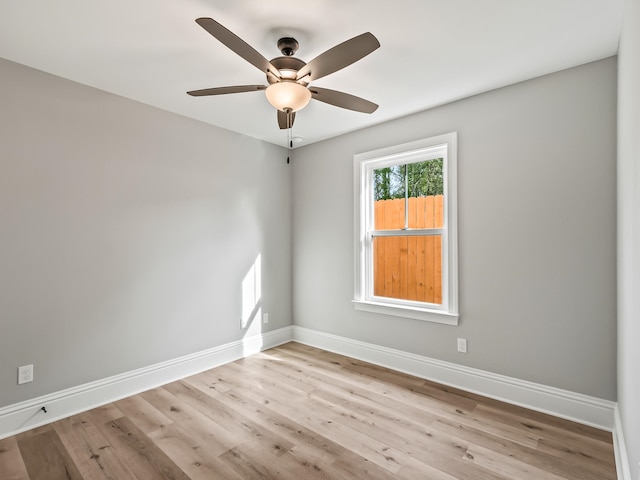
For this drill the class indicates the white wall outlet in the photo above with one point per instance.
(265, 318)
(462, 345)
(25, 374)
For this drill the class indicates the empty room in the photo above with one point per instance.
(322, 240)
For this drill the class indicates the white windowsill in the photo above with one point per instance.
(434, 316)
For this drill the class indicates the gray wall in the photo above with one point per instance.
(124, 228)
(537, 232)
(126, 233)
(629, 232)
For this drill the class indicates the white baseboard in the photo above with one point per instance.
(573, 406)
(620, 448)
(26, 415)
(561, 403)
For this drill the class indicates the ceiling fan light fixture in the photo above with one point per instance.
(288, 95)
(289, 77)
(288, 74)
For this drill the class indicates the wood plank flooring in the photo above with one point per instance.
(296, 412)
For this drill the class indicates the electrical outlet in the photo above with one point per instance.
(462, 345)
(25, 374)
(265, 318)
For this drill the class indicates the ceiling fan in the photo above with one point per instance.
(289, 78)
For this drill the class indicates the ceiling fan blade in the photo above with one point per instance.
(225, 90)
(286, 119)
(239, 46)
(339, 56)
(343, 100)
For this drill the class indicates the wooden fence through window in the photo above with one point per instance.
(409, 267)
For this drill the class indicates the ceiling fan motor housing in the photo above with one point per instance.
(288, 46)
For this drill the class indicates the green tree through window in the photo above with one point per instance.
(419, 179)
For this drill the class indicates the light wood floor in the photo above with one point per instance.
(295, 412)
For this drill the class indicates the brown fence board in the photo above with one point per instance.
(408, 267)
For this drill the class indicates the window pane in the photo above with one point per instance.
(408, 268)
(420, 185)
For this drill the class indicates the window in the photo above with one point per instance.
(406, 238)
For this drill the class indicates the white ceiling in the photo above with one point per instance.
(432, 51)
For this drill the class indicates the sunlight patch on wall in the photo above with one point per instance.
(251, 307)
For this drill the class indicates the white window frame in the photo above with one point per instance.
(444, 146)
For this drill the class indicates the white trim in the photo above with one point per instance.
(620, 448)
(444, 146)
(26, 415)
(413, 232)
(434, 316)
(573, 406)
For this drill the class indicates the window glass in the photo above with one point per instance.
(408, 268)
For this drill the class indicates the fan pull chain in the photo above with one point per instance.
(289, 140)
